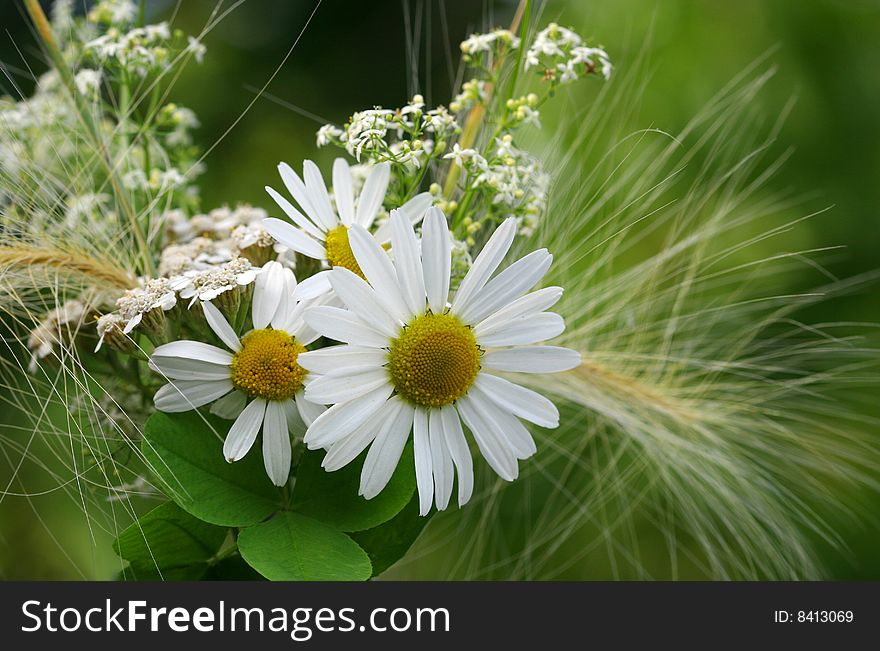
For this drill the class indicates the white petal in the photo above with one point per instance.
(507, 427)
(436, 259)
(220, 326)
(385, 452)
(485, 265)
(244, 430)
(510, 284)
(295, 424)
(461, 454)
(342, 359)
(185, 360)
(295, 215)
(342, 419)
(407, 263)
(360, 298)
(230, 405)
(495, 450)
(276, 443)
(184, 395)
(518, 400)
(343, 191)
(318, 196)
(298, 190)
(194, 350)
(377, 267)
(345, 451)
(287, 307)
(441, 461)
(413, 210)
(344, 326)
(176, 368)
(529, 329)
(268, 291)
(422, 452)
(313, 286)
(532, 359)
(331, 389)
(132, 323)
(308, 410)
(292, 237)
(373, 194)
(529, 304)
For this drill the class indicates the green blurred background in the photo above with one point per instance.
(356, 55)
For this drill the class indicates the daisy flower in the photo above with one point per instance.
(259, 383)
(414, 363)
(320, 232)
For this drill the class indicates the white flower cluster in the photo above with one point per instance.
(217, 224)
(141, 50)
(207, 255)
(473, 92)
(514, 181)
(176, 122)
(198, 254)
(153, 297)
(88, 82)
(113, 12)
(410, 135)
(42, 138)
(208, 284)
(479, 43)
(56, 328)
(561, 55)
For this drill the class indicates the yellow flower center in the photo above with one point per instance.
(434, 361)
(266, 367)
(339, 252)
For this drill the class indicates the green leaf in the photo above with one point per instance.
(233, 568)
(389, 542)
(167, 539)
(293, 547)
(332, 497)
(186, 454)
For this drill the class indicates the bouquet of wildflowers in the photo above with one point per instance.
(303, 385)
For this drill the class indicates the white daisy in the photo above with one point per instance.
(322, 232)
(412, 362)
(259, 383)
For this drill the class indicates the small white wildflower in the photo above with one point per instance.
(459, 154)
(197, 255)
(477, 43)
(441, 122)
(88, 82)
(329, 134)
(110, 328)
(560, 51)
(135, 180)
(209, 284)
(115, 12)
(367, 129)
(592, 58)
(247, 235)
(196, 48)
(56, 328)
(135, 304)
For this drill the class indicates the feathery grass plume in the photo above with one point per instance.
(708, 432)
